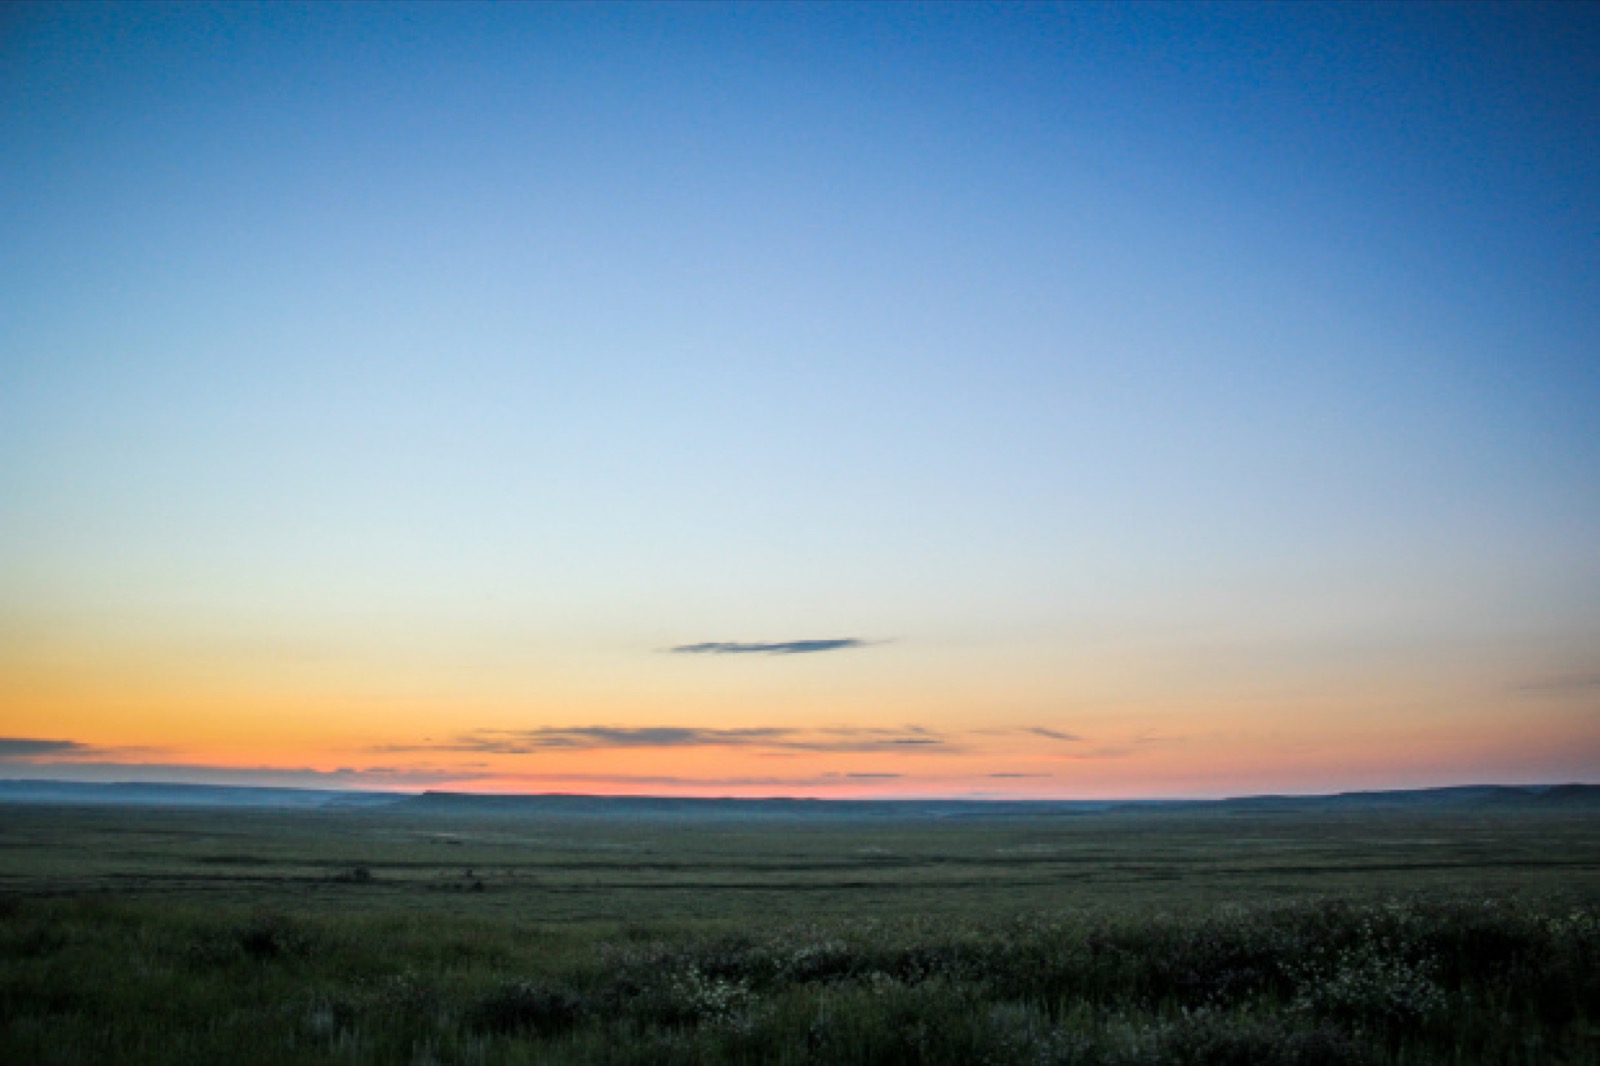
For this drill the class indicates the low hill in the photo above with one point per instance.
(1466, 798)
(679, 808)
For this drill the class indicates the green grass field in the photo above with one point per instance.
(1141, 936)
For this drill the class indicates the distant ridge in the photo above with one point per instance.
(1451, 796)
(1569, 796)
(1465, 798)
(558, 805)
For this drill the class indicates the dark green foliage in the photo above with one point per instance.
(32, 936)
(521, 1006)
(268, 935)
(1414, 979)
(1219, 1040)
(261, 936)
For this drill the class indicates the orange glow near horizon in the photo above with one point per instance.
(679, 736)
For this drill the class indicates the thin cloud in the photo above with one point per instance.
(1053, 734)
(874, 775)
(592, 738)
(782, 647)
(1570, 683)
(26, 748)
(1021, 775)
(587, 737)
(107, 772)
(826, 780)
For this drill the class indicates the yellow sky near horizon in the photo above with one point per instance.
(889, 719)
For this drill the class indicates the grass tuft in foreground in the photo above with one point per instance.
(1411, 980)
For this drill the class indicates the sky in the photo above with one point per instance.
(837, 400)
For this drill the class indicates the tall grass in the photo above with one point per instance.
(1413, 980)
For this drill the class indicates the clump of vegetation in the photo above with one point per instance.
(1413, 980)
(269, 935)
(259, 936)
(525, 1007)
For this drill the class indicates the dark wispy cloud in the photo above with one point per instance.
(598, 736)
(1136, 746)
(107, 771)
(1054, 734)
(781, 784)
(399, 777)
(33, 751)
(1562, 685)
(22, 748)
(782, 647)
(589, 738)
(1021, 775)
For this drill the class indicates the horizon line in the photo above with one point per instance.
(710, 797)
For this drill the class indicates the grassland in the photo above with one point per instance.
(450, 934)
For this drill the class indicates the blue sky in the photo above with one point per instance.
(1144, 366)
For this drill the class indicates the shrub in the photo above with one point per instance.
(264, 936)
(1369, 987)
(1211, 1039)
(518, 1006)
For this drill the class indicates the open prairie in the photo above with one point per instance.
(461, 932)
(732, 865)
